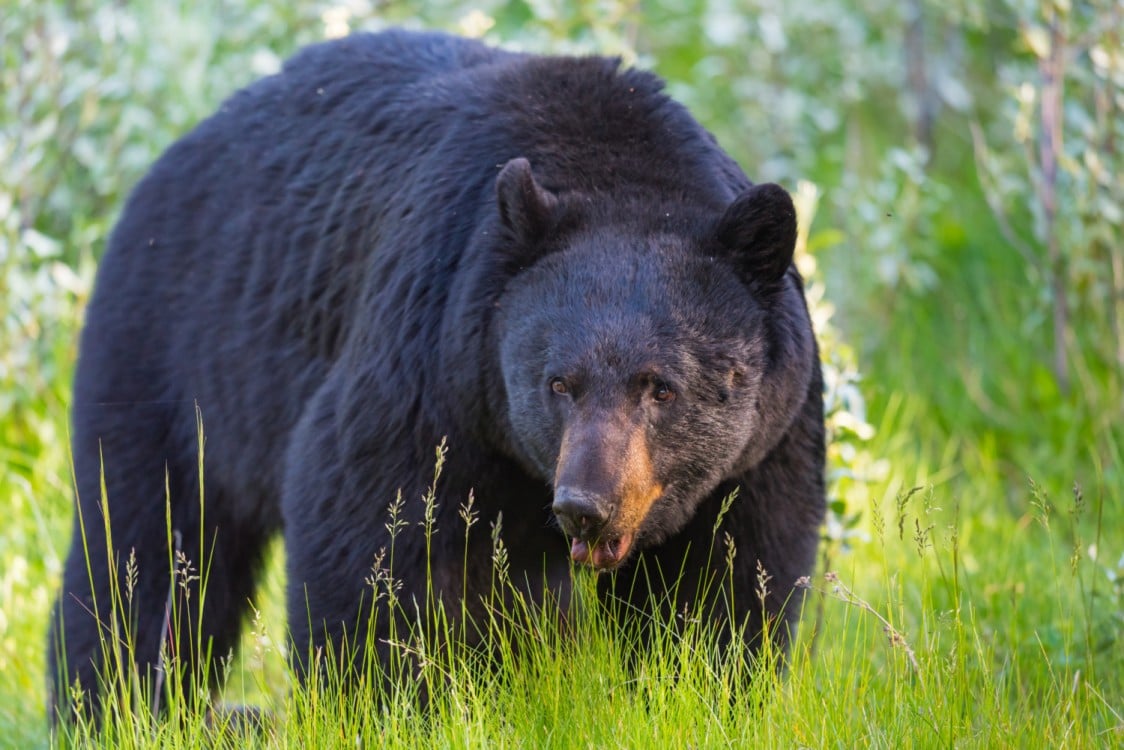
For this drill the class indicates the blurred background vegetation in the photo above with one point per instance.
(960, 175)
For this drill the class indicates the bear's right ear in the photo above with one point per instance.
(526, 208)
(758, 231)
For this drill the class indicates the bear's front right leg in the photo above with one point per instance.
(359, 582)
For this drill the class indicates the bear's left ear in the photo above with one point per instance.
(526, 208)
(758, 231)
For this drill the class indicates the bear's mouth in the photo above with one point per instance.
(601, 554)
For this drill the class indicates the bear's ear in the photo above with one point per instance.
(526, 208)
(758, 231)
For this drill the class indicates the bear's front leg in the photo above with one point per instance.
(355, 554)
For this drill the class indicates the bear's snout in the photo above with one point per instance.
(604, 487)
(582, 514)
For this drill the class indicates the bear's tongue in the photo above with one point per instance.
(603, 555)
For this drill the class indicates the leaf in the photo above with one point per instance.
(40, 244)
(1037, 39)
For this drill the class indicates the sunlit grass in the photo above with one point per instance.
(938, 631)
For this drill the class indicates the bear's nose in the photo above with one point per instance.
(579, 512)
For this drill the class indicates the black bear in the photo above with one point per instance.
(404, 238)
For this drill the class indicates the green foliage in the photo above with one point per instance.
(960, 233)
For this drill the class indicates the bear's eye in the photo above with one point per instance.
(559, 386)
(662, 393)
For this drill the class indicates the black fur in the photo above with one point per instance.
(330, 270)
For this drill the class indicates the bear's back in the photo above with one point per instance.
(400, 57)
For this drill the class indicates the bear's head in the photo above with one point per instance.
(643, 367)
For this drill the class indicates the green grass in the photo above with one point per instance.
(947, 628)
